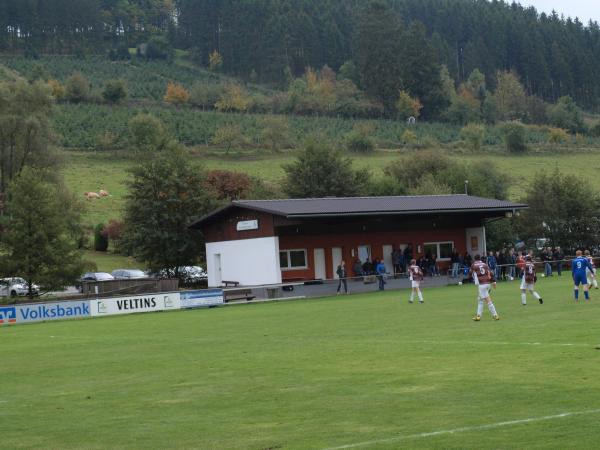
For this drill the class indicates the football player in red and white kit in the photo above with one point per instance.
(591, 274)
(484, 279)
(528, 282)
(416, 276)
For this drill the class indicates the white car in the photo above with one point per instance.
(128, 274)
(16, 286)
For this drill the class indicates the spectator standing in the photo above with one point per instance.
(341, 273)
(547, 258)
(558, 257)
(520, 264)
(455, 261)
(357, 268)
(492, 264)
(380, 271)
(512, 260)
(396, 254)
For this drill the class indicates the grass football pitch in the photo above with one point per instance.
(356, 371)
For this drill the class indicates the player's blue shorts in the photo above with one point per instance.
(580, 278)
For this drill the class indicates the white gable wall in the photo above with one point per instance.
(249, 261)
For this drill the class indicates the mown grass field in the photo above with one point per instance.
(91, 171)
(366, 371)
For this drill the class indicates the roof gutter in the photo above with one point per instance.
(406, 213)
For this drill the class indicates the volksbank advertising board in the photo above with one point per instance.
(135, 304)
(44, 311)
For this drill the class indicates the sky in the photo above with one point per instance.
(584, 9)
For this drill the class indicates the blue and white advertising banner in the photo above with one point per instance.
(135, 304)
(44, 311)
(201, 299)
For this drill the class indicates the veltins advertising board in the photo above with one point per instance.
(135, 304)
(44, 311)
(200, 299)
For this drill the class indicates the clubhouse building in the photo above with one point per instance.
(257, 242)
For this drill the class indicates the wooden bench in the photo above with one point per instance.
(238, 294)
(230, 283)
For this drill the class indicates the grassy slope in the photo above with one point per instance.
(86, 171)
(309, 374)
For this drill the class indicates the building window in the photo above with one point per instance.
(292, 259)
(441, 250)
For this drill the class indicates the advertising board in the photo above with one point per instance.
(38, 312)
(201, 299)
(135, 304)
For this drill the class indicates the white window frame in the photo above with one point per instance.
(437, 244)
(289, 259)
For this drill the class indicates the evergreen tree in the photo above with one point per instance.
(165, 195)
(320, 171)
(41, 232)
(377, 46)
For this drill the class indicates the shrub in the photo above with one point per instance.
(228, 136)
(205, 95)
(77, 88)
(158, 47)
(147, 132)
(473, 134)
(176, 94)
(114, 91)
(276, 133)
(228, 185)
(113, 231)
(57, 89)
(409, 137)
(514, 137)
(566, 114)
(595, 130)
(359, 142)
(233, 98)
(407, 106)
(100, 238)
(558, 136)
(215, 61)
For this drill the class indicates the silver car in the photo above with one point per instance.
(16, 286)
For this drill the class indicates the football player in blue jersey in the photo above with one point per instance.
(579, 267)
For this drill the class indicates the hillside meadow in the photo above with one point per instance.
(90, 171)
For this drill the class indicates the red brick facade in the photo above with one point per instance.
(376, 240)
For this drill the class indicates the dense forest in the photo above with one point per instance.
(271, 40)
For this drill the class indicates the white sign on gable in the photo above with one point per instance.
(135, 304)
(247, 225)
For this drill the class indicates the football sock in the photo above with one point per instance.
(492, 309)
(536, 295)
(420, 295)
(523, 298)
(596, 283)
(479, 307)
(587, 295)
(576, 294)
(412, 296)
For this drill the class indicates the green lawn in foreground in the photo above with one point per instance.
(311, 374)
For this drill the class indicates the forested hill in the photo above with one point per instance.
(273, 39)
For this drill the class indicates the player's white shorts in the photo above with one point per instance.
(590, 273)
(527, 286)
(484, 291)
(415, 283)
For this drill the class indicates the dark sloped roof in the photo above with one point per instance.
(351, 206)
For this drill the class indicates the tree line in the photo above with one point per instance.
(271, 40)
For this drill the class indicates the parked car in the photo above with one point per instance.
(128, 274)
(16, 286)
(187, 274)
(94, 276)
